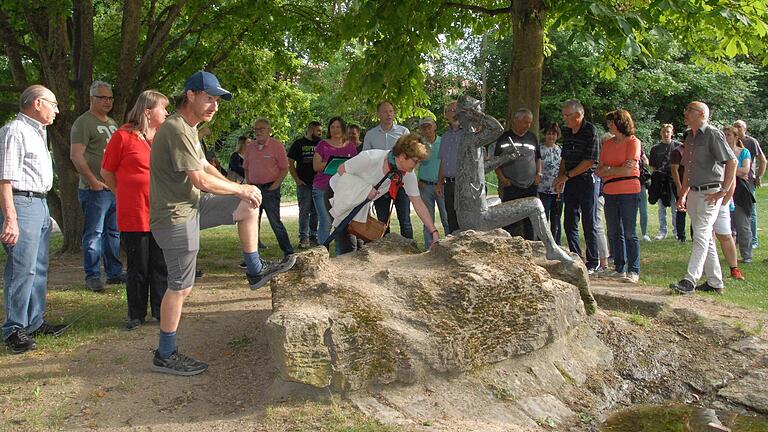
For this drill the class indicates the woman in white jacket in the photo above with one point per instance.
(356, 178)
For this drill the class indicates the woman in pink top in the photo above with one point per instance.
(619, 168)
(335, 145)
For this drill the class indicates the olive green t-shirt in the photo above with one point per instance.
(95, 134)
(172, 197)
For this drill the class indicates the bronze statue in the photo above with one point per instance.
(472, 210)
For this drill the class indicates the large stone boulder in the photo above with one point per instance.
(390, 314)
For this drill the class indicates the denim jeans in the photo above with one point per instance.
(402, 207)
(553, 208)
(580, 202)
(26, 266)
(753, 225)
(663, 217)
(644, 211)
(323, 217)
(427, 192)
(307, 213)
(522, 228)
(100, 235)
(621, 222)
(270, 204)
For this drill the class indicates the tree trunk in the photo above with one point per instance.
(52, 43)
(125, 94)
(527, 58)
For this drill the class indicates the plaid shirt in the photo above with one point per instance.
(24, 157)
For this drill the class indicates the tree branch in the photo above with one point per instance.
(13, 51)
(480, 9)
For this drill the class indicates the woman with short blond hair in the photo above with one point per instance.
(356, 178)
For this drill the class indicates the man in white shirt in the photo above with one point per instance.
(26, 176)
(383, 137)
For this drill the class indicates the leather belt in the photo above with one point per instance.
(30, 194)
(705, 187)
(450, 179)
(427, 182)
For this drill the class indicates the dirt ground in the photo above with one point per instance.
(108, 385)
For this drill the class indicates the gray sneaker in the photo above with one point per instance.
(178, 364)
(613, 274)
(269, 270)
(94, 284)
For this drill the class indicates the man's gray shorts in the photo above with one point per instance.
(181, 242)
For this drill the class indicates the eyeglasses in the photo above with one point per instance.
(105, 98)
(54, 104)
(691, 108)
(569, 114)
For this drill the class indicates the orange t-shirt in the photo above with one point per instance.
(614, 153)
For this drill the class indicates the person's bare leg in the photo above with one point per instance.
(170, 309)
(728, 246)
(247, 219)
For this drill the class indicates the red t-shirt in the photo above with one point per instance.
(127, 155)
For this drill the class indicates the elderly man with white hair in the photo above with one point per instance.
(710, 170)
(26, 176)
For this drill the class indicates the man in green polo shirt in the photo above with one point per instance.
(178, 211)
(88, 139)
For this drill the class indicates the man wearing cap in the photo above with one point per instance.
(428, 175)
(266, 165)
(26, 176)
(710, 170)
(101, 238)
(448, 155)
(520, 177)
(383, 137)
(178, 211)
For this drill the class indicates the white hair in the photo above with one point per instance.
(95, 87)
(575, 105)
(31, 94)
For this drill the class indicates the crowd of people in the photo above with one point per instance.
(150, 184)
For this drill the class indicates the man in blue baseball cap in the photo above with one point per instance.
(178, 210)
(207, 82)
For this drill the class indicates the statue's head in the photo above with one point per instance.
(468, 110)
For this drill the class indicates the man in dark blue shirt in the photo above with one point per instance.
(576, 183)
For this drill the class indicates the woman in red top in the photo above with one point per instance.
(619, 168)
(126, 171)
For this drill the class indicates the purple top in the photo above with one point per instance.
(326, 150)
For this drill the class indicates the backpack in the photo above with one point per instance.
(645, 175)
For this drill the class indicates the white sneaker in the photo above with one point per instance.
(646, 238)
(632, 278)
(661, 236)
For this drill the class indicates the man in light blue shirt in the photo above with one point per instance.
(428, 176)
(383, 137)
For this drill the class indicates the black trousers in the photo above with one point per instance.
(147, 274)
(522, 228)
(449, 192)
(402, 208)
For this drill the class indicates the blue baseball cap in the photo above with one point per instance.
(207, 82)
